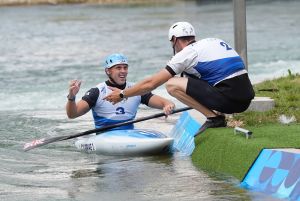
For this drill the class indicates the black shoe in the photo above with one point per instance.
(213, 122)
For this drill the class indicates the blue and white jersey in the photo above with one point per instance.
(210, 59)
(105, 113)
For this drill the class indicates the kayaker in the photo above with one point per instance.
(105, 113)
(213, 78)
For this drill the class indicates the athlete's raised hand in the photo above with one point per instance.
(74, 87)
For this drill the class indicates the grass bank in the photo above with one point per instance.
(221, 151)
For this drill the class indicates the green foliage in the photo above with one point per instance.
(286, 93)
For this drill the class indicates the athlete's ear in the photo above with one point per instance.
(107, 71)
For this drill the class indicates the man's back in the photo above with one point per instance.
(216, 60)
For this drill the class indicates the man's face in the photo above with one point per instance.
(118, 73)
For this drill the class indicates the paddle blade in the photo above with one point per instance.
(183, 133)
(41, 142)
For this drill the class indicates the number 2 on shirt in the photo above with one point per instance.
(225, 45)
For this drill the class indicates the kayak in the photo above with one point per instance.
(126, 142)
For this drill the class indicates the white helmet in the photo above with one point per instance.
(181, 29)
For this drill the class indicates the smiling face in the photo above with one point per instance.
(118, 73)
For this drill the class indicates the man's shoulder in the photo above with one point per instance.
(91, 96)
(92, 92)
(211, 39)
(205, 41)
(189, 51)
(213, 46)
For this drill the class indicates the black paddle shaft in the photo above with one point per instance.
(44, 141)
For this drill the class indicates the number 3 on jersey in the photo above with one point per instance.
(225, 45)
(120, 110)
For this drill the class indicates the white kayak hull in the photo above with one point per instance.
(126, 142)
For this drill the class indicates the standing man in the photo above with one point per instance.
(105, 113)
(213, 77)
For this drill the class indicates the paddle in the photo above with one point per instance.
(41, 142)
(184, 131)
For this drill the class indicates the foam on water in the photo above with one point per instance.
(270, 70)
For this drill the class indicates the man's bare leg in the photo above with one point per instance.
(176, 87)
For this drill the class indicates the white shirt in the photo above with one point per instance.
(210, 59)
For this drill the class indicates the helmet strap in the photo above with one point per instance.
(113, 82)
(109, 77)
(174, 52)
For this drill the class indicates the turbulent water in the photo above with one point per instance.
(43, 47)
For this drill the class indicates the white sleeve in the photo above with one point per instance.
(185, 59)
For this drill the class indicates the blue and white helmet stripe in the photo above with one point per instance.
(115, 59)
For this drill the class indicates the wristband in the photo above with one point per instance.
(71, 99)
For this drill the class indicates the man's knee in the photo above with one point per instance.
(170, 86)
(175, 84)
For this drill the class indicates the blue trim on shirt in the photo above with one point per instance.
(102, 121)
(217, 70)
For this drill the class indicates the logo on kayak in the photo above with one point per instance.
(88, 147)
(130, 145)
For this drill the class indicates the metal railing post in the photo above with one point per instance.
(240, 32)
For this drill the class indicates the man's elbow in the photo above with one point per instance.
(71, 116)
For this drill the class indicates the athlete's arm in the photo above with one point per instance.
(161, 103)
(142, 87)
(149, 84)
(75, 110)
